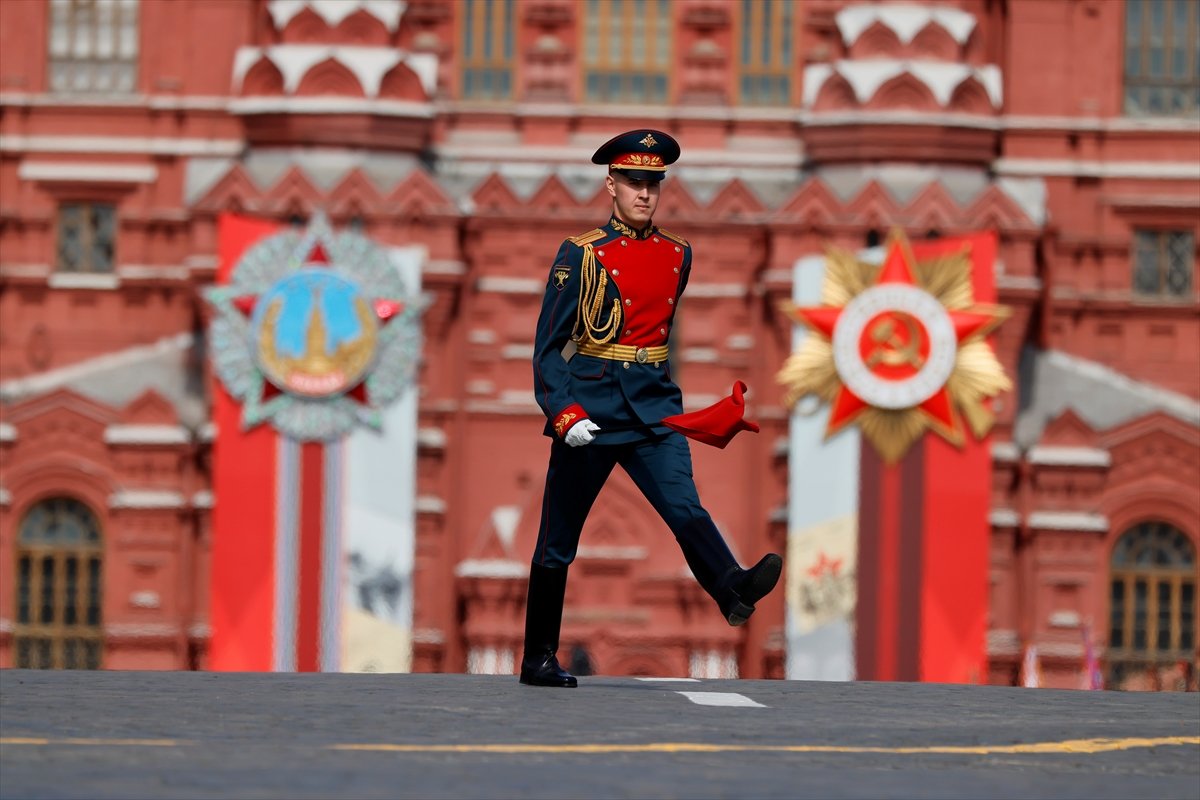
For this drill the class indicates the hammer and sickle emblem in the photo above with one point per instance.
(894, 349)
(560, 278)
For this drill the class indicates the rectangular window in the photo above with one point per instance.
(765, 60)
(1164, 263)
(93, 46)
(486, 49)
(627, 51)
(1162, 57)
(86, 234)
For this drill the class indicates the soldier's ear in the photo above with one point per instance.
(610, 184)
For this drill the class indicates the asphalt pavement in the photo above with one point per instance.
(231, 735)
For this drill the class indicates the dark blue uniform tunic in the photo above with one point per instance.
(623, 285)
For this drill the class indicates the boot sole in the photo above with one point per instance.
(571, 684)
(764, 581)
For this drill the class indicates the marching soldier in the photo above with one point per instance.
(613, 293)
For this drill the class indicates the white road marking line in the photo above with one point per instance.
(664, 680)
(732, 699)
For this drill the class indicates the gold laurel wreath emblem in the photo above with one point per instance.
(977, 375)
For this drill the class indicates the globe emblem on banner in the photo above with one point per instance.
(315, 332)
(899, 349)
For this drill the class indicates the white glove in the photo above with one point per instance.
(581, 433)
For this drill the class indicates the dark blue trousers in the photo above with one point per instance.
(660, 467)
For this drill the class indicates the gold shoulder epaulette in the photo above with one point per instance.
(673, 237)
(587, 238)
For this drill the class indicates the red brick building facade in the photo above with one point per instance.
(1069, 126)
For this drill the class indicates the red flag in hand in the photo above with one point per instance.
(717, 424)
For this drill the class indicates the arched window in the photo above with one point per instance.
(1152, 617)
(59, 571)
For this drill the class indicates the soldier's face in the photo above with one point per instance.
(633, 201)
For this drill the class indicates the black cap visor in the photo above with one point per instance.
(640, 174)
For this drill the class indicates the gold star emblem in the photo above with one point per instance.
(649, 141)
(899, 348)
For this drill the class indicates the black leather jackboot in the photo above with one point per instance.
(543, 619)
(736, 590)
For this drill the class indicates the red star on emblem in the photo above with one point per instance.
(897, 269)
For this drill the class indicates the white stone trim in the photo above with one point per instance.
(1072, 168)
(444, 266)
(511, 285)
(700, 355)
(1068, 521)
(1005, 452)
(491, 568)
(517, 352)
(145, 598)
(865, 76)
(740, 341)
(151, 145)
(200, 630)
(905, 20)
(369, 64)
(8, 432)
(1062, 456)
(481, 336)
(5, 497)
(1064, 619)
(612, 552)
(1027, 282)
(141, 272)
(428, 636)
(146, 434)
(329, 105)
(202, 499)
(207, 432)
(334, 11)
(141, 630)
(6, 625)
(429, 504)
(146, 499)
(1004, 518)
(25, 270)
(432, 438)
(83, 280)
(86, 172)
(717, 290)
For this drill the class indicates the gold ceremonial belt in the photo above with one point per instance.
(623, 352)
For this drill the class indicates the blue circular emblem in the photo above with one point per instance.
(314, 333)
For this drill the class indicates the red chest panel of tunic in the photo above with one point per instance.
(646, 273)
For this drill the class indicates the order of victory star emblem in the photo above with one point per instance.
(898, 348)
(315, 332)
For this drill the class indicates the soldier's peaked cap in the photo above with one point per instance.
(641, 154)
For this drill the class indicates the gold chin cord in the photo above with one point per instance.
(593, 281)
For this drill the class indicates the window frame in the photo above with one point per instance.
(89, 232)
(595, 35)
(82, 21)
(1162, 238)
(503, 41)
(1141, 84)
(782, 50)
